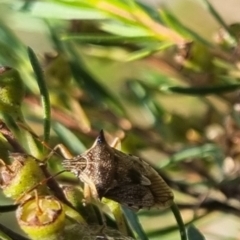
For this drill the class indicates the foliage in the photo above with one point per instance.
(169, 94)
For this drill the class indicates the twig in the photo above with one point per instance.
(10, 138)
(53, 185)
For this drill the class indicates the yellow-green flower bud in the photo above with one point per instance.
(70, 212)
(11, 91)
(42, 218)
(75, 196)
(22, 175)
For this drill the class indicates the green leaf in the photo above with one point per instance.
(10, 56)
(6, 232)
(60, 10)
(133, 219)
(3, 236)
(149, 51)
(194, 234)
(153, 12)
(126, 30)
(170, 20)
(193, 152)
(86, 81)
(201, 90)
(100, 39)
(43, 91)
(68, 138)
(218, 18)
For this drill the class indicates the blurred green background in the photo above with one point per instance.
(163, 78)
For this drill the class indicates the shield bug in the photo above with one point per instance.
(121, 177)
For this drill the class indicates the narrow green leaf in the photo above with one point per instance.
(133, 219)
(3, 236)
(83, 78)
(169, 19)
(86, 81)
(62, 10)
(99, 39)
(153, 12)
(127, 30)
(148, 51)
(194, 234)
(8, 208)
(6, 232)
(43, 91)
(201, 90)
(218, 17)
(54, 37)
(69, 139)
(193, 152)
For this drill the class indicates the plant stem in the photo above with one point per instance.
(179, 220)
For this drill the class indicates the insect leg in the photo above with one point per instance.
(116, 143)
(63, 150)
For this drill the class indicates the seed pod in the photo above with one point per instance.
(19, 177)
(42, 218)
(75, 196)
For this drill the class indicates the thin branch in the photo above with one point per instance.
(4, 130)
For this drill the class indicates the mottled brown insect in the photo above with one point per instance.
(121, 177)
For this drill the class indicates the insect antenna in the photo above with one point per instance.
(34, 135)
(44, 181)
(50, 179)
